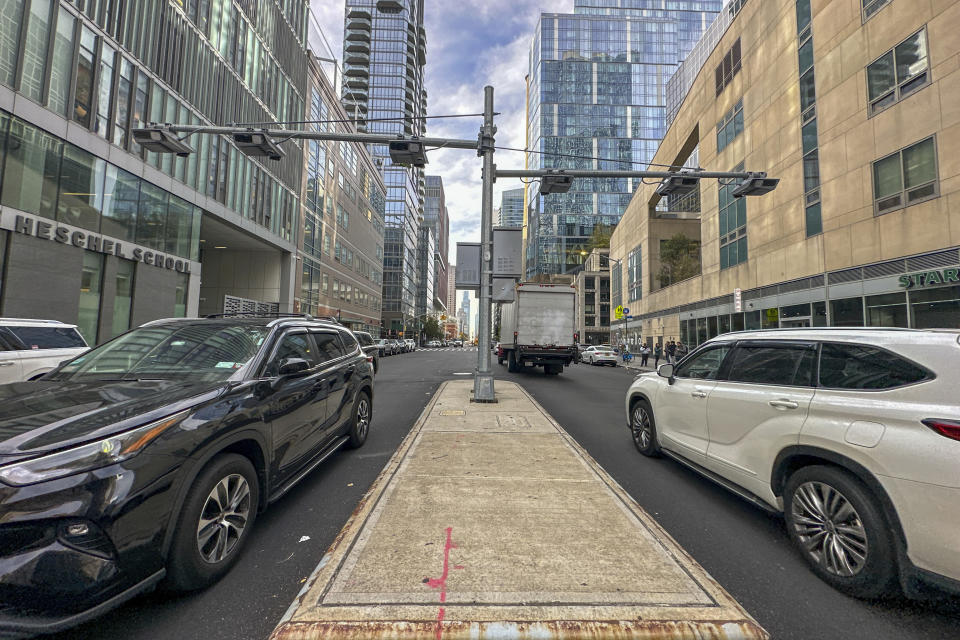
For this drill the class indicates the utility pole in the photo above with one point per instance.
(483, 380)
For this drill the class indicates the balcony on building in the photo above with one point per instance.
(356, 71)
(389, 6)
(357, 57)
(357, 35)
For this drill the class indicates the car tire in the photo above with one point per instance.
(860, 559)
(200, 557)
(360, 424)
(643, 429)
(512, 362)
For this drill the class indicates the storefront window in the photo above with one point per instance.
(123, 298)
(35, 50)
(152, 216)
(936, 308)
(724, 324)
(712, 327)
(90, 281)
(889, 310)
(120, 204)
(795, 311)
(61, 63)
(81, 188)
(11, 14)
(701, 330)
(819, 314)
(847, 312)
(31, 169)
(736, 322)
(751, 320)
(183, 286)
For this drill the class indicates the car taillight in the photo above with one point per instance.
(369, 358)
(948, 428)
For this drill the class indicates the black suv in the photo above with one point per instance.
(150, 456)
(370, 347)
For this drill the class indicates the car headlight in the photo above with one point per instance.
(87, 457)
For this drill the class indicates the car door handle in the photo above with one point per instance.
(784, 404)
(7, 363)
(698, 394)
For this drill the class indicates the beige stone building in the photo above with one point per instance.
(593, 298)
(855, 106)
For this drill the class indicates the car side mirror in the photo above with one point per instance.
(293, 366)
(666, 371)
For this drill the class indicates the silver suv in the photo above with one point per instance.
(853, 434)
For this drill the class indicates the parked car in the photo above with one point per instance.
(600, 354)
(370, 347)
(399, 346)
(31, 348)
(853, 434)
(385, 347)
(458, 343)
(434, 344)
(149, 458)
(411, 344)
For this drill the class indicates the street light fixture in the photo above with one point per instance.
(257, 144)
(161, 140)
(678, 185)
(555, 183)
(408, 153)
(757, 184)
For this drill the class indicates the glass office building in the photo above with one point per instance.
(511, 208)
(384, 52)
(437, 218)
(596, 100)
(121, 233)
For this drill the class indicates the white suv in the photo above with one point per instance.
(853, 434)
(31, 348)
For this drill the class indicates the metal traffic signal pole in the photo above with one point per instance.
(483, 376)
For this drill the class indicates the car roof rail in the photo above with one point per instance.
(42, 320)
(259, 314)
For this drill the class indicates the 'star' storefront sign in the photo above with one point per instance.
(66, 234)
(930, 278)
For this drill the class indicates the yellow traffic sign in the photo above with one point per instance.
(618, 312)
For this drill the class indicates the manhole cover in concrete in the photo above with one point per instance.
(453, 412)
(516, 422)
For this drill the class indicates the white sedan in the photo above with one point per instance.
(600, 354)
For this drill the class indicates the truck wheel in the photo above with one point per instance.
(552, 369)
(512, 362)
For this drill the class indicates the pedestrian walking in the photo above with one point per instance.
(671, 352)
(682, 350)
(644, 355)
(657, 354)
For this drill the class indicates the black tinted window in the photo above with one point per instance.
(46, 337)
(851, 366)
(298, 345)
(364, 338)
(704, 365)
(348, 342)
(773, 364)
(328, 345)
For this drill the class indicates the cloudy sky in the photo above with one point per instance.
(469, 44)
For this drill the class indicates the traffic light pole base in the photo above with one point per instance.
(483, 387)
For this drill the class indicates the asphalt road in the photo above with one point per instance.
(746, 550)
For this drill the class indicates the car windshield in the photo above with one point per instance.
(207, 352)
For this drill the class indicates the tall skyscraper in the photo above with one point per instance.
(596, 100)
(384, 52)
(463, 313)
(451, 291)
(437, 218)
(153, 235)
(511, 208)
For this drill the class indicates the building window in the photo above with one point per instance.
(83, 95)
(120, 204)
(733, 226)
(616, 279)
(91, 278)
(62, 63)
(180, 299)
(906, 177)
(123, 297)
(846, 312)
(31, 170)
(11, 17)
(870, 7)
(35, 50)
(898, 73)
(808, 132)
(81, 188)
(124, 94)
(887, 310)
(730, 126)
(932, 308)
(729, 68)
(634, 274)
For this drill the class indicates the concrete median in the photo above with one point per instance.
(490, 521)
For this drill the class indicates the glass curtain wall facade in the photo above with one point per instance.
(107, 67)
(437, 218)
(384, 52)
(511, 208)
(596, 100)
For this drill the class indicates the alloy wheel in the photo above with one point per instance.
(363, 417)
(223, 518)
(829, 528)
(642, 431)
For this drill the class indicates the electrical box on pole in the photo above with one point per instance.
(507, 252)
(468, 266)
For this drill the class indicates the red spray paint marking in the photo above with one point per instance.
(441, 582)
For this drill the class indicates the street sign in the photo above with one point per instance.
(618, 312)
(626, 310)
(738, 300)
(629, 317)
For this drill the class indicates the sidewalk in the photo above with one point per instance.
(490, 521)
